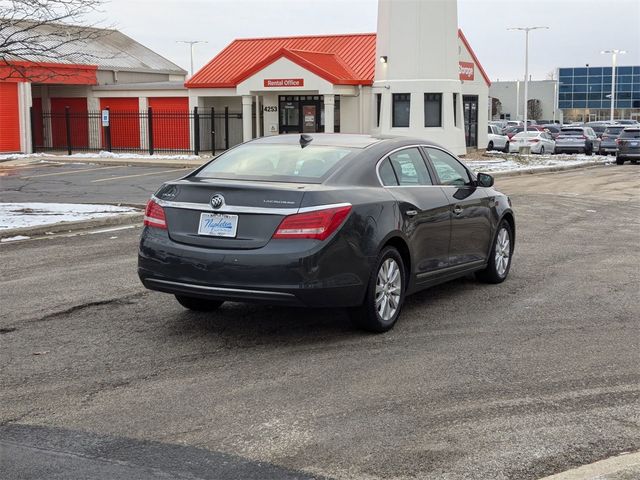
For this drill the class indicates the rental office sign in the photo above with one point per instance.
(467, 71)
(284, 82)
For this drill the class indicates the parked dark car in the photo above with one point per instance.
(325, 220)
(598, 127)
(608, 141)
(553, 129)
(628, 145)
(577, 139)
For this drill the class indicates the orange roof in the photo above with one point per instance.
(339, 59)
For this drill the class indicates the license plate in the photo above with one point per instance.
(634, 144)
(218, 225)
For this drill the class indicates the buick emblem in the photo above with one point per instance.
(217, 201)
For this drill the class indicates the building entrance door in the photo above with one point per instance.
(470, 106)
(310, 118)
(301, 114)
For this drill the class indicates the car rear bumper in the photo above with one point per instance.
(633, 154)
(284, 272)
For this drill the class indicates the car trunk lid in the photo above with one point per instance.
(251, 210)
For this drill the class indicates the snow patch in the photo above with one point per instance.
(14, 239)
(24, 215)
(505, 162)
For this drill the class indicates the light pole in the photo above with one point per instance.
(526, 30)
(191, 43)
(614, 58)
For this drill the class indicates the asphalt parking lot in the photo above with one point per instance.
(99, 377)
(83, 182)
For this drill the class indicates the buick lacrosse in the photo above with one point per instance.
(325, 220)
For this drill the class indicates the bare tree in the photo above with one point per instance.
(534, 109)
(45, 31)
(496, 107)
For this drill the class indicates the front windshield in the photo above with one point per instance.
(276, 163)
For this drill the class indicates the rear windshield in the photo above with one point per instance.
(276, 163)
(614, 130)
(572, 131)
(599, 128)
(630, 134)
(530, 133)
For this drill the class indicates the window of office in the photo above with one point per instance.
(432, 109)
(378, 108)
(401, 109)
(455, 109)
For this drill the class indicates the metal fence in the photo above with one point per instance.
(148, 131)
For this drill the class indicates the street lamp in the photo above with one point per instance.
(614, 57)
(191, 43)
(526, 30)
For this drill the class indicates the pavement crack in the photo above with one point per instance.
(124, 300)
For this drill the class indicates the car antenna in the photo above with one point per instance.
(305, 140)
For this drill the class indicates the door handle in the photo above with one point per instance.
(457, 209)
(411, 213)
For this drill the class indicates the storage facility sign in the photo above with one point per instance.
(467, 71)
(284, 82)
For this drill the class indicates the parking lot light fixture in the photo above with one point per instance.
(526, 30)
(191, 43)
(614, 58)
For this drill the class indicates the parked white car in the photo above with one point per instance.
(497, 141)
(540, 142)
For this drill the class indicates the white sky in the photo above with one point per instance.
(579, 29)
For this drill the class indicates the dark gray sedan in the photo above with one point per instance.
(628, 145)
(325, 220)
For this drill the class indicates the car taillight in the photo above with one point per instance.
(317, 225)
(534, 140)
(154, 216)
(619, 142)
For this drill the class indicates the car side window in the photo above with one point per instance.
(386, 174)
(409, 167)
(450, 171)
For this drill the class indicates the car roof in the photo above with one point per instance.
(346, 140)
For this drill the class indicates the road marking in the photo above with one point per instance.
(73, 171)
(115, 229)
(141, 174)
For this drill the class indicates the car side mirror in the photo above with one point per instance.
(484, 180)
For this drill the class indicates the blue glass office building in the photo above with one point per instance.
(585, 93)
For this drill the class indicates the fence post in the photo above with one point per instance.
(33, 130)
(67, 122)
(107, 132)
(196, 131)
(213, 132)
(150, 129)
(226, 128)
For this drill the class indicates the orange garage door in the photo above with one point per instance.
(9, 118)
(124, 120)
(170, 123)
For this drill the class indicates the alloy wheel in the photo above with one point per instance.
(503, 251)
(388, 289)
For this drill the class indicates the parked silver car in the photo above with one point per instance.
(608, 141)
(577, 139)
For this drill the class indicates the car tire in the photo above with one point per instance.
(500, 257)
(386, 278)
(198, 304)
(589, 150)
(506, 148)
(490, 146)
(619, 160)
(541, 149)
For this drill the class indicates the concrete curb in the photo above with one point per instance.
(122, 219)
(622, 466)
(552, 169)
(129, 162)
